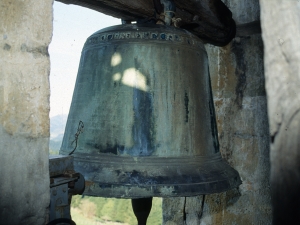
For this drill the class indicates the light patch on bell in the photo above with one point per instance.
(135, 78)
(116, 59)
(116, 77)
(167, 190)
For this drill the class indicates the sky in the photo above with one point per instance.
(72, 25)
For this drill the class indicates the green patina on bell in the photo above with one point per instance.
(143, 93)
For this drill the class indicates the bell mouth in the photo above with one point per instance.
(140, 177)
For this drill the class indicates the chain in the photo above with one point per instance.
(79, 131)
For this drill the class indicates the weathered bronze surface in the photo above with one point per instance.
(143, 93)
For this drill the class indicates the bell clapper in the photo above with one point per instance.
(141, 208)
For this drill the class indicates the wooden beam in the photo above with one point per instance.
(248, 29)
(210, 20)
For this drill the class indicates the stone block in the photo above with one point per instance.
(25, 33)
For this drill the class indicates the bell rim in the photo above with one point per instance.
(105, 158)
(183, 190)
(156, 179)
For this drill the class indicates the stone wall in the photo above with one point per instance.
(243, 133)
(281, 35)
(237, 75)
(26, 31)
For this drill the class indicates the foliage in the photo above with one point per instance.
(55, 145)
(53, 152)
(114, 210)
(88, 208)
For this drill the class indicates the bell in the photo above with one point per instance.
(144, 98)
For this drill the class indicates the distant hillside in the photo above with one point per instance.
(57, 129)
(57, 125)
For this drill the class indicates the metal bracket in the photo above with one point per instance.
(64, 182)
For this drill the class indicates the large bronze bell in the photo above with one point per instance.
(144, 97)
